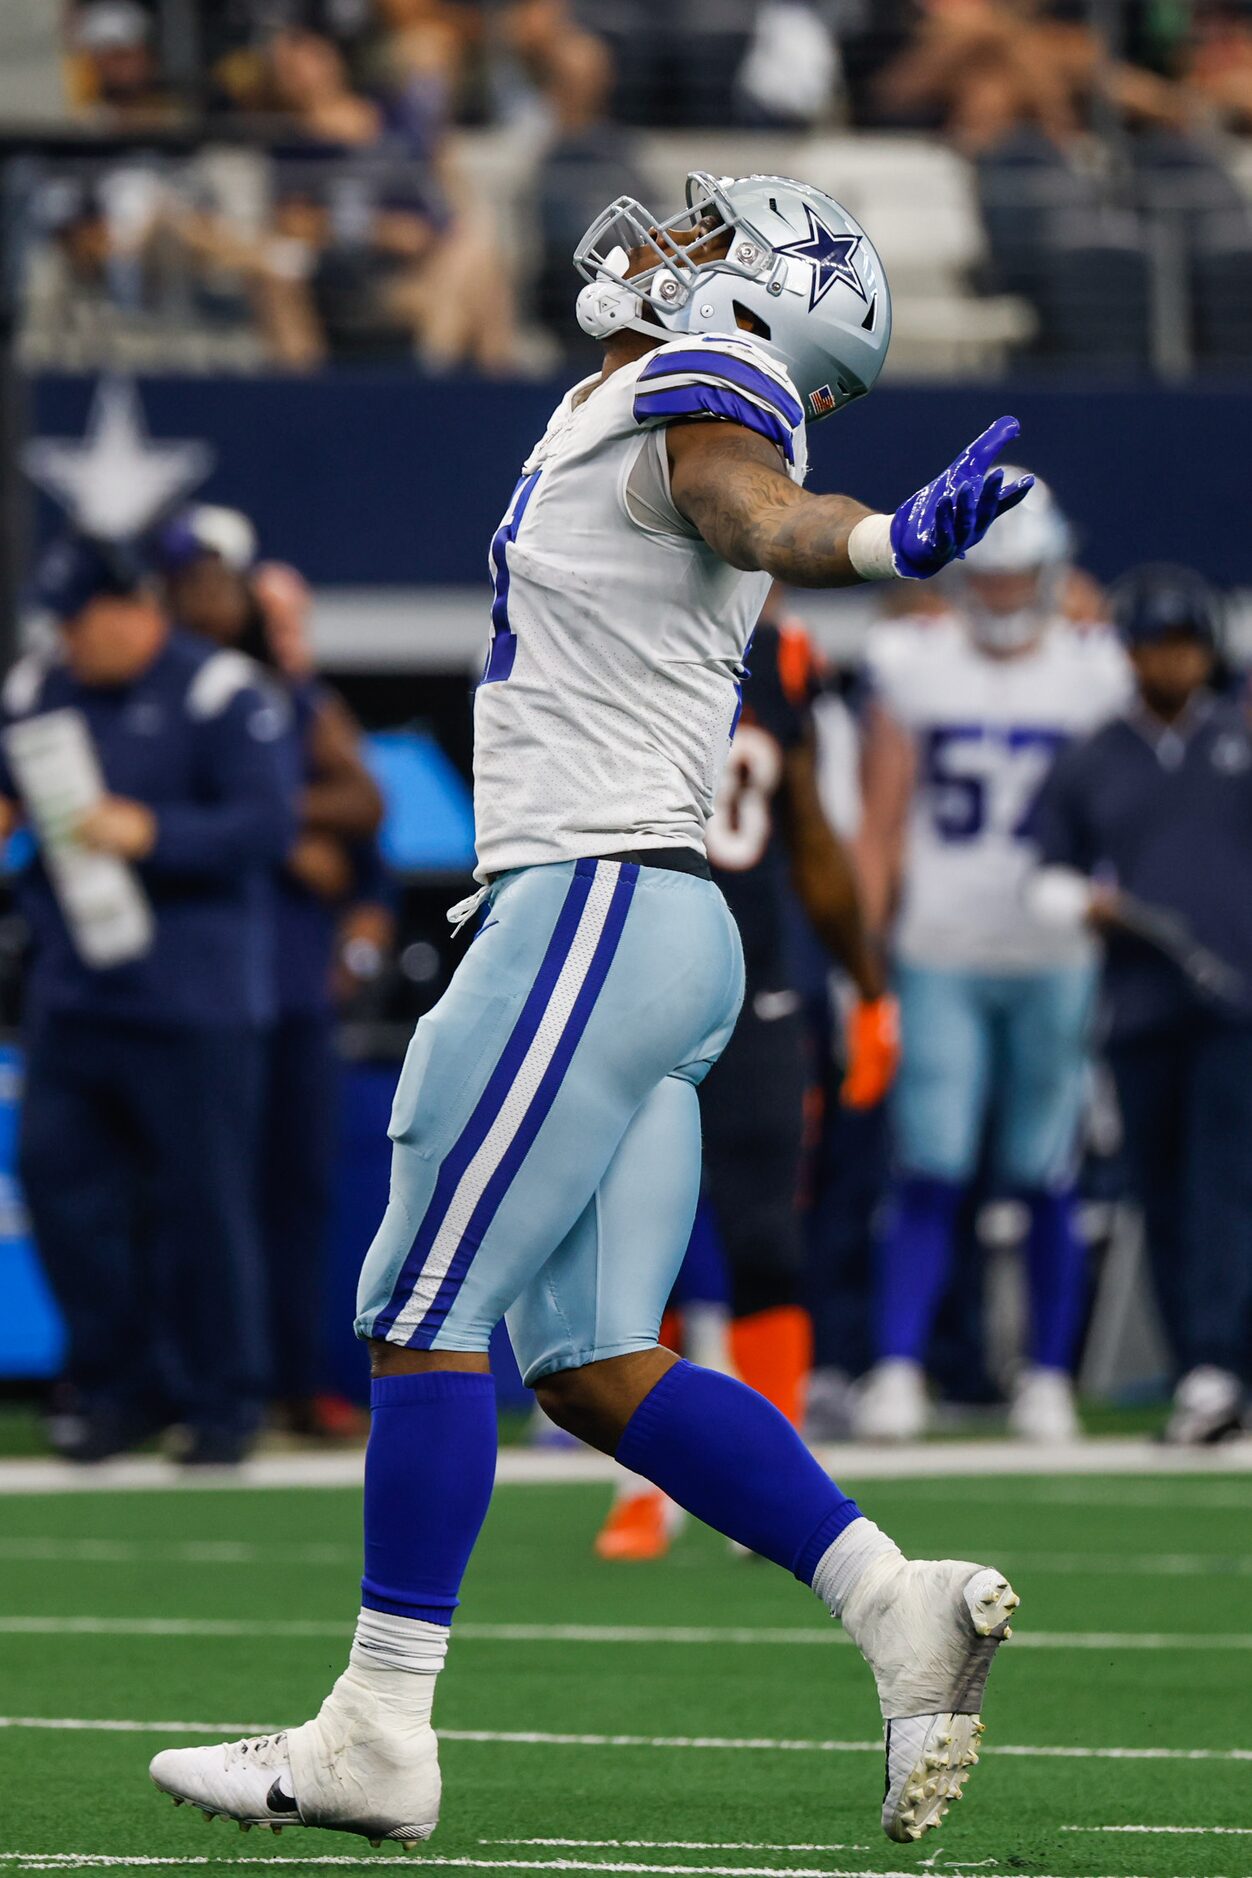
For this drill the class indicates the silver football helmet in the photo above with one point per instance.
(1032, 542)
(797, 263)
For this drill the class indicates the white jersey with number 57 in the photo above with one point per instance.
(611, 684)
(986, 732)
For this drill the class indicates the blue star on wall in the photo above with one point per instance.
(831, 256)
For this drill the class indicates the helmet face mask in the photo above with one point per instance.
(1011, 580)
(795, 263)
(1004, 622)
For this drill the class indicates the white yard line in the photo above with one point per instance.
(80, 1861)
(926, 1460)
(717, 1635)
(215, 1553)
(39, 1550)
(704, 1743)
(1233, 1832)
(680, 1845)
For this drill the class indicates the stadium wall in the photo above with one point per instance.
(366, 480)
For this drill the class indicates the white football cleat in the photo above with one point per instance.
(928, 1628)
(354, 1768)
(1208, 1407)
(891, 1402)
(1043, 1408)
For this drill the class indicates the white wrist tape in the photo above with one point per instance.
(870, 550)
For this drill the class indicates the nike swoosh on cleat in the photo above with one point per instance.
(280, 1802)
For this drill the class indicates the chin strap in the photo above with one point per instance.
(610, 304)
(605, 306)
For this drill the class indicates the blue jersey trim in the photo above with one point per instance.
(712, 364)
(715, 401)
(503, 648)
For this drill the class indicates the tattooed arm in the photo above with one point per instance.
(731, 485)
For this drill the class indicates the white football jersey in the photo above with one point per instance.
(987, 731)
(611, 686)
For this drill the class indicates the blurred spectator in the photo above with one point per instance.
(141, 252)
(379, 259)
(113, 75)
(790, 76)
(333, 919)
(982, 70)
(143, 1088)
(588, 162)
(1145, 832)
(309, 81)
(1217, 63)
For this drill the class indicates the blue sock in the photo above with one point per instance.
(1056, 1261)
(727, 1455)
(429, 1470)
(912, 1263)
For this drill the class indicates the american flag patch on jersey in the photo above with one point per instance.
(822, 401)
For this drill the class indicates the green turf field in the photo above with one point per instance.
(744, 1752)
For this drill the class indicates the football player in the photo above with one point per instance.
(769, 835)
(968, 718)
(546, 1124)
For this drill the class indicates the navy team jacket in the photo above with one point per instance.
(206, 743)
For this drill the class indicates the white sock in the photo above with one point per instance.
(630, 1486)
(842, 1564)
(399, 1659)
(706, 1336)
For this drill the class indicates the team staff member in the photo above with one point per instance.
(143, 1080)
(330, 884)
(1156, 810)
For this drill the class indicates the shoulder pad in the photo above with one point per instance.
(24, 682)
(720, 377)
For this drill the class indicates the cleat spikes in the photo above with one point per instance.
(245, 1825)
(1008, 1631)
(377, 1844)
(276, 1830)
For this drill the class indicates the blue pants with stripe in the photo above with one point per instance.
(546, 1129)
(1012, 1046)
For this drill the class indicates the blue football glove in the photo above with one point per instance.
(948, 516)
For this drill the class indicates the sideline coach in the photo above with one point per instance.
(141, 1112)
(1145, 830)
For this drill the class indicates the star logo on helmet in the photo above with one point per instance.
(831, 256)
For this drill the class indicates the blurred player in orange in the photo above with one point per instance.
(769, 838)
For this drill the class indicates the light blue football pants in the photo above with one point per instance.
(546, 1163)
(1009, 1047)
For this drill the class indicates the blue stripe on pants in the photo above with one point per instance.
(486, 1112)
(540, 1103)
